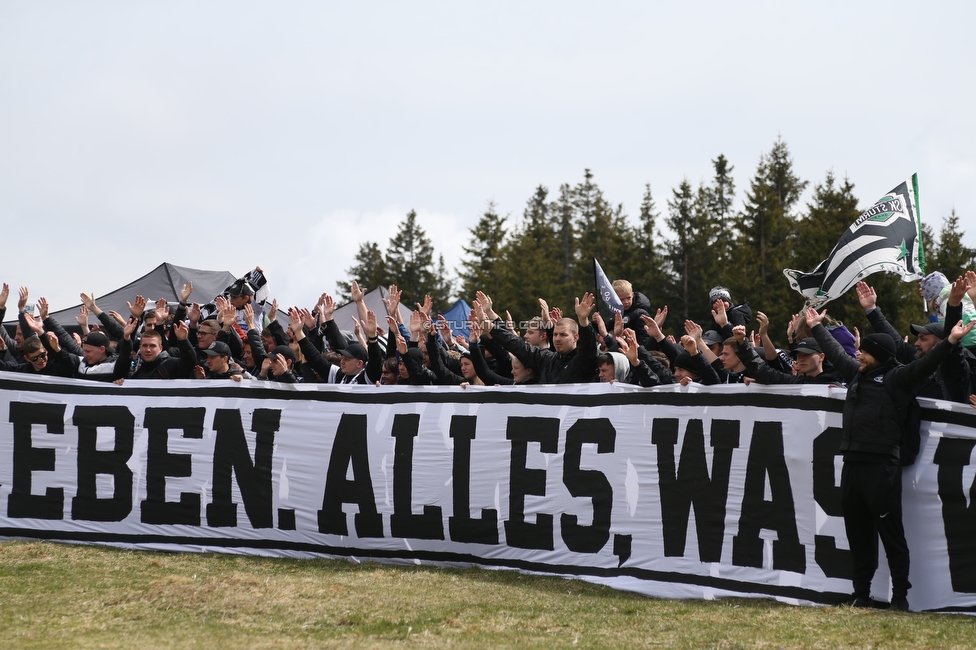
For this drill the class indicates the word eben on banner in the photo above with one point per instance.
(766, 471)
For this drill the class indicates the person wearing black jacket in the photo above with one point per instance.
(808, 365)
(951, 380)
(154, 362)
(573, 358)
(871, 478)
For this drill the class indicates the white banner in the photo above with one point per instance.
(676, 492)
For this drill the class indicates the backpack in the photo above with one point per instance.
(910, 416)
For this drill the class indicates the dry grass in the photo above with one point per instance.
(62, 596)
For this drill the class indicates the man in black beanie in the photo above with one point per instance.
(871, 479)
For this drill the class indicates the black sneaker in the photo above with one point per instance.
(898, 604)
(858, 602)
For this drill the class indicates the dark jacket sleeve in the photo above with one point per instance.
(111, 326)
(278, 332)
(66, 341)
(844, 364)
(444, 376)
(334, 337)
(909, 377)
(124, 361)
(759, 370)
(188, 359)
(8, 340)
(374, 361)
(314, 359)
(486, 375)
(503, 362)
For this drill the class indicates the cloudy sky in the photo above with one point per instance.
(224, 135)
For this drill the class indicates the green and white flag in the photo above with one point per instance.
(886, 237)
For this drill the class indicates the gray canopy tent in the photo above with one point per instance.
(164, 281)
(374, 302)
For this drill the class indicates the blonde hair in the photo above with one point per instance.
(622, 285)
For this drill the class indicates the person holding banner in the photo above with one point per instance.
(877, 385)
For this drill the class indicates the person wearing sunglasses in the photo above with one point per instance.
(39, 360)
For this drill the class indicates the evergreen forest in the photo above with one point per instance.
(673, 252)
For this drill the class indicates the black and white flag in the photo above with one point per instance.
(605, 289)
(885, 237)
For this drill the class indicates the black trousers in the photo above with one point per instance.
(871, 500)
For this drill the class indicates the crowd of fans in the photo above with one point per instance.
(239, 340)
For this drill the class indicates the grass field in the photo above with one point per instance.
(63, 596)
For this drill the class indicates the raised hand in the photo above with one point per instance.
(544, 307)
(763, 323)
(130, 328)
(139, 308)
(309, 319)
(584, 307)
(661, 315)
(4, 294)
(601, 327)
(739, 332)
(628, 345)
(958, 291)
(273, 312)
(719, 315)
(652, 328)
(693, 329)
(180, 330)
(89, 302)
(690, 345)
(248, 316)
(866, 296)
(444, 328)
(22, 296)
(162, 312)
(356, 293)
(185, 292)
(117, 317)
(369, 325)
(194, 314)
(960, 331)
(393, 302)
(812, 317)
(510, 324)
(33, 323)
(328, 308)
(618, 323)
(295, 321)
(42, 308)
(82, 318)
(52, 340)
(555, 314)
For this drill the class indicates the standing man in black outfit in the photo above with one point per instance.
(871, 479)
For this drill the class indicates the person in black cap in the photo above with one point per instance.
(280, 366)
(352, 364)
(951, 380)
(871, 478)
(218, 363)
(807, 364)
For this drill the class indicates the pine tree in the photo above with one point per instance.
(410, 261)
(603, 233)
(950, 255)
(718, 200)
(688, 253)
(531, 266)
(480, 270)
(766, 227)
(564, 211)
(647, 272)
(369, 270)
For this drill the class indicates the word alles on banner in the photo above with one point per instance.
(678, 492)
